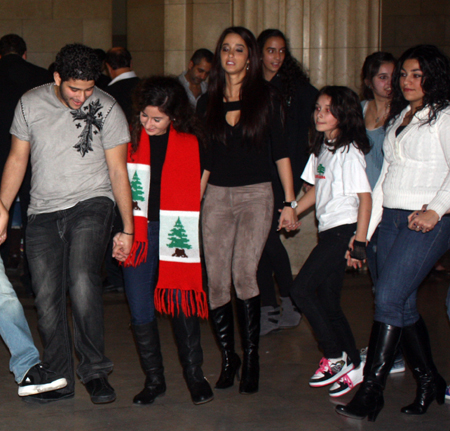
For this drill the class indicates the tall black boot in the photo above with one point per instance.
(149, 348)
(430, 384)
(249, 315)
(187, 336)
(223, 324)
(369, 401)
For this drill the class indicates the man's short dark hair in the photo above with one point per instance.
(201, 54)
(12, 44)
(76, 61)
(118, 57)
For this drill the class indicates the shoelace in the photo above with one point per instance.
(346, 379)
(324, 365)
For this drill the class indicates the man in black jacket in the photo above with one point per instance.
(17, 76)
(123, 78)
(123, 82)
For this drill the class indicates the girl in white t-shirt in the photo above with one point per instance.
(342, 197)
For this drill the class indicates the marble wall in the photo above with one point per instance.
(47, 25)
(411, 22)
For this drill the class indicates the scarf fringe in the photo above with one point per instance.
(138, 254)
(192, 302)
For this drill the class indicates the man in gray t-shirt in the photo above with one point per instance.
(76, 137)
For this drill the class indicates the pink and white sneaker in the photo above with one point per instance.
(347, 382)
(330, 370)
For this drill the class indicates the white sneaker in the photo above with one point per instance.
(330, 370)
(347, 382)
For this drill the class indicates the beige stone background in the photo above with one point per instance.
(331, 37)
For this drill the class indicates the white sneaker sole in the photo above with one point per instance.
(397, 370)
(24, 391)
(333, 379)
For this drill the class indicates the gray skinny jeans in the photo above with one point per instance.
(235, 225)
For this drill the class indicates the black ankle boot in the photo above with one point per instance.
(222, 321)
(369, 401)
(187, 336)
(249, 315)
(430, 384)
(149, 348)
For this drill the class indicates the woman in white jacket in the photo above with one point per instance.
(410, 200)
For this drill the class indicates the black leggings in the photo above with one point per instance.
(317, 292)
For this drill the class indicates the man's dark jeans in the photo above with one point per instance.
(65, 253)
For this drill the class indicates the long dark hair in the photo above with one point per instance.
(255, 94)
(435, 67)
(169, 96)
(292, 72)
(370, 68)
(346, 108)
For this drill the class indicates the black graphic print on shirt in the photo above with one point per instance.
(93, 124)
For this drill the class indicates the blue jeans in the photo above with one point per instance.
(15, 331)
(65, 252)
(404, 259)
(140, 281)
(317, 293)
(371, 252)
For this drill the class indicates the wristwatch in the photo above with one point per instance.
(292, 204)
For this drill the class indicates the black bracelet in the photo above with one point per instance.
(126, 233)
(359, 250)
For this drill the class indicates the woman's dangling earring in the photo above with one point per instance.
(248, 66)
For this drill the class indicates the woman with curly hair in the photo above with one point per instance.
(163, 271)
(283, 71)
(243, 121)
(410, 201)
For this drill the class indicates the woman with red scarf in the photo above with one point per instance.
(163, 271)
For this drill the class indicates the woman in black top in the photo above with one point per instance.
(243, 121)
(283, 71)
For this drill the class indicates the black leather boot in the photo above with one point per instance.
(430, 384)
(149, 348)
(187, 336)
(249, 315)
(369, 401)
(223, 324)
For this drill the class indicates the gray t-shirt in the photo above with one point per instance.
(68, 146)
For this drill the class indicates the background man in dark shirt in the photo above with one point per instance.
(123, 78)
(17, 76)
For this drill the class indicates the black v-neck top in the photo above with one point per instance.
(237, 163)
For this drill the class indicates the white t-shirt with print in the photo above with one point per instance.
(338, 178)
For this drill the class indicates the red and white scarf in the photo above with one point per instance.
(180, 273)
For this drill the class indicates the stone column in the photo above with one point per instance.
(146, 34)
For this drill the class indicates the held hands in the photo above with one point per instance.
(122, 244)
(423, 221)
(356, 253)
(288, 219)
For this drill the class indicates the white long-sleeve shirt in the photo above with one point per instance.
(416, 167)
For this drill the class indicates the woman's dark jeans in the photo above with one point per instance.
(65, 252)
(317, 293)
(405, 257)
(140, 281)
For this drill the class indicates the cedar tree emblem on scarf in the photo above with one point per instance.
(92, 118)
(179, 239)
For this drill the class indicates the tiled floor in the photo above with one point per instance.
(284, 402)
